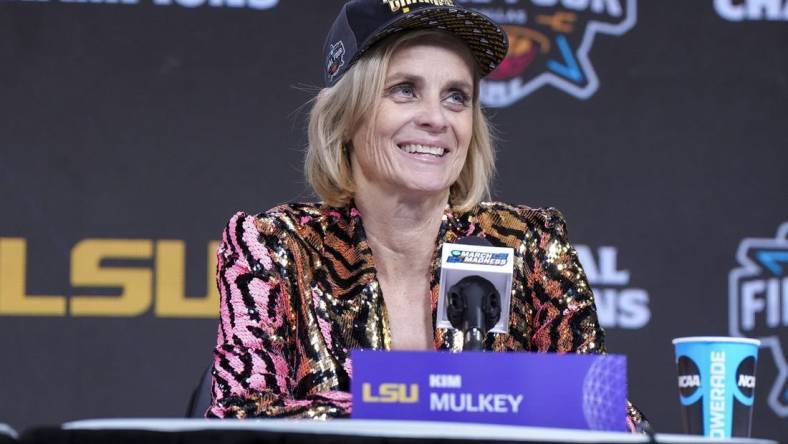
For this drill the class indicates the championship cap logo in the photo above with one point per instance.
(758, 304)
(336, 58)
(549, 44)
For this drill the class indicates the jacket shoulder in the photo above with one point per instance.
(284, 218)
(256, 236)
(522, 217)
(289, 217)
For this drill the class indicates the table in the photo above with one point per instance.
(171, 431)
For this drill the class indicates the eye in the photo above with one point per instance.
(402, 90)
(458, 97)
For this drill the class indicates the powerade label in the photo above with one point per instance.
(716, 387)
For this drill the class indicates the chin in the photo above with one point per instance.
(428, 188)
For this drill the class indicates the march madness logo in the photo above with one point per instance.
(478, 258)
(758, 298)
(549, 44)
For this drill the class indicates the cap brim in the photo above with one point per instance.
(486, 40)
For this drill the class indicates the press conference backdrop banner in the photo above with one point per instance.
(130, 130)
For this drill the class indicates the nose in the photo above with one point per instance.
(432, 116)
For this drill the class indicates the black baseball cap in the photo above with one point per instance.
(363, 23)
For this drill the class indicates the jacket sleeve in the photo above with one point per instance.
(253, 369)
(564, 317)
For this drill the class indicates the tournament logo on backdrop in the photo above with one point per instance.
(752, 10)
(252, 4)
(758, 298)
(549, 44)
(619, 303)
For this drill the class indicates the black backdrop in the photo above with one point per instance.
(132, 129)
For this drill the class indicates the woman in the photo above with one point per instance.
(400, 153)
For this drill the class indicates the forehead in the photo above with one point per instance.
(428, 56)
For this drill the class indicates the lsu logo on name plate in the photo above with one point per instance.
(758, 304)
(550, 42)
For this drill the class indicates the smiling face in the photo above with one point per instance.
(418, 138)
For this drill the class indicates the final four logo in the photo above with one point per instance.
(758, 298)
(336, 59)
(549, 44)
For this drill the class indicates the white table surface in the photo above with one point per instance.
(392, 429)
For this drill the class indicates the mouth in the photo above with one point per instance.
(431, 150)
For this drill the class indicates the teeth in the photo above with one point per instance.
(424, 149)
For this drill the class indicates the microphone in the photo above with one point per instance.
(475, 289)
(474, 307)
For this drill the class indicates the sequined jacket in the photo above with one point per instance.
(299, 290)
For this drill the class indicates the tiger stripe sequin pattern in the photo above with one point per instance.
(299, 291)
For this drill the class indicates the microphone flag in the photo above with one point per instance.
(460, 260)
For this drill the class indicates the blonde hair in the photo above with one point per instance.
(339, 111)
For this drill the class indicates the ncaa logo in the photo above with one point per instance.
(758, 303)
(549, 44)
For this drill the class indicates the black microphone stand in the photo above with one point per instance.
(474, 307)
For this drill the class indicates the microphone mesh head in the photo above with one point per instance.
(474, 240)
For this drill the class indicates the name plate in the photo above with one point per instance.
(528, 389)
